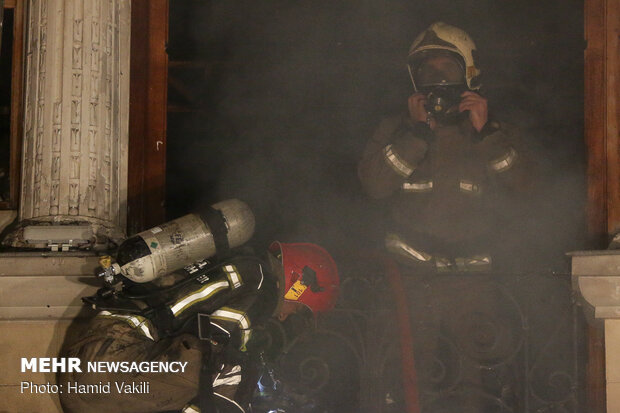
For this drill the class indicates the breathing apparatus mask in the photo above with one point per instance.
(440, 76)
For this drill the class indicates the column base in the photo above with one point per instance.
(62, 233)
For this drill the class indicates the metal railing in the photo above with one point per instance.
(483, 343)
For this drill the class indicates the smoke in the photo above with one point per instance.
(295, 90)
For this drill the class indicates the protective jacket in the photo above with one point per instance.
(444, 187)
(214, 309)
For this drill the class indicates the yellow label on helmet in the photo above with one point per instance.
(295, 291)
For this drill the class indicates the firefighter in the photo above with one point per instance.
(207, 316)
(446, 165)
(450, 175)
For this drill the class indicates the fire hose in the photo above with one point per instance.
(409, 375)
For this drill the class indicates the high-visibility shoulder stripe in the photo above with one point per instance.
(418, 186)
(234, 370)
(473, 263)
(233, 276)
(239, 317)
(231, 378)
(504, 162)
(135, 321)
(202, 294)
(394, 244)
(469, 186)
(226, 313)
(398, 164)
(228, 381)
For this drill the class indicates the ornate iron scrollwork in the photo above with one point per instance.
(498, 344)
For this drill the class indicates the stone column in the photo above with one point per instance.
(76, 105)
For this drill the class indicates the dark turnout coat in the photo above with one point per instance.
(233, 298)
(445, 188)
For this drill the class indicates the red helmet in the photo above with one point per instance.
(310, 275)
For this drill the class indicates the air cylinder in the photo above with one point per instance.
(171, 246)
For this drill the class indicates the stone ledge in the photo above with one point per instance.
(47, 286)
(48, 263)
(595, 263)
(596, 277)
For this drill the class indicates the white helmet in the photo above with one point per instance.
(442, 36)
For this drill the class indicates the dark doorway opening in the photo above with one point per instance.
(272, 102)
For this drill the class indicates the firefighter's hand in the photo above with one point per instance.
(417, 111)
(477, 107)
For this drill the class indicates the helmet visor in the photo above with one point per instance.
(438, 70)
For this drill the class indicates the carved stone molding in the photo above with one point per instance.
(596, 278)
(76, 103)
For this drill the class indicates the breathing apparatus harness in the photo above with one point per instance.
(126, 298)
